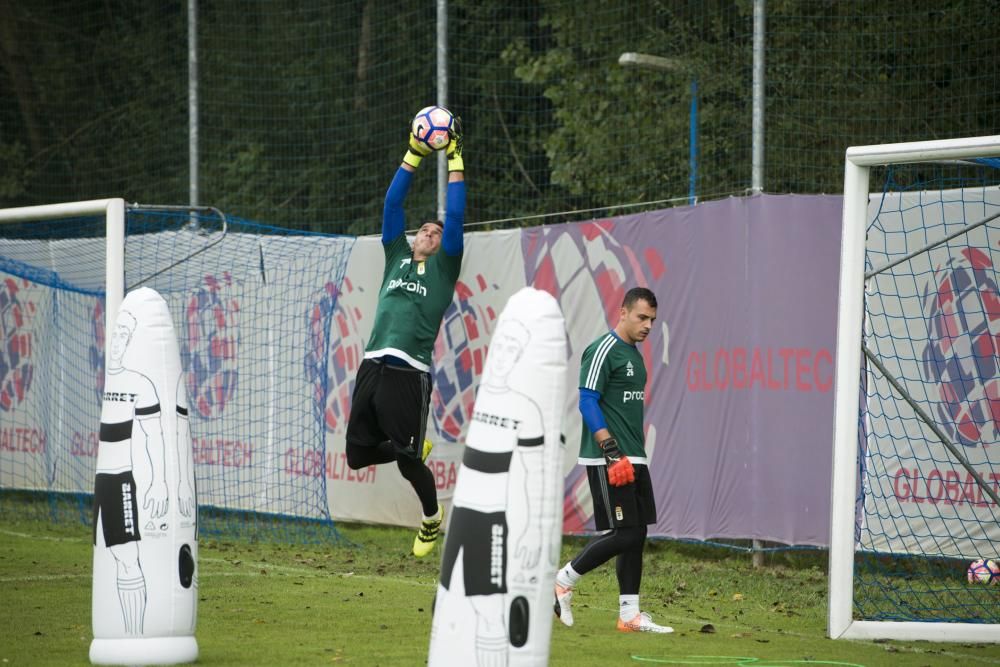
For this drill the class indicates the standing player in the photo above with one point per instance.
(612, 393)
(392, 390)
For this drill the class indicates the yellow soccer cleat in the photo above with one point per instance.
(423, 543)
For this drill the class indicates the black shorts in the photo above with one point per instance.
(389, 403)
(116, 505)
(619, 506)
(482, 539)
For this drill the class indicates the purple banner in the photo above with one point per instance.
(739, 408)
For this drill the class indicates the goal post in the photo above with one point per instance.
(914, 478)
(113, 211)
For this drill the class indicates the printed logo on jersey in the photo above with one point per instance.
(409, 285)
(460, 352)
(210, 345)
(629, 369)
(962, 308)
(17, 367)
(332, 368)
(588, 268)
(97, 346)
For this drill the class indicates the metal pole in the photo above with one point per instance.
(757, 131)
(193, 102)
(114, 270)
(693, 146)
(757, 148)
(442, 98)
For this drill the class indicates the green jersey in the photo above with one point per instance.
(412, 301)
(616, 371)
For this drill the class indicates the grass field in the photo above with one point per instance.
(370, 604)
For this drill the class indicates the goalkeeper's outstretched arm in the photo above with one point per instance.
(454, 217)
(393, 219)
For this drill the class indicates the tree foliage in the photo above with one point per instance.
(304, 106)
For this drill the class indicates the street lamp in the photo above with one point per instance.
(662, 64)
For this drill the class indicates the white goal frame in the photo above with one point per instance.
(113, 211)
(841, 624)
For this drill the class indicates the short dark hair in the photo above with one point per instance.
(433, 222)
(637, 294)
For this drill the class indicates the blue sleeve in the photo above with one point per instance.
(591, 411)
(392, 212)
(454, 219)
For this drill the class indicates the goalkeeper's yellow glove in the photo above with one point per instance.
(455, 146)
(415, 152)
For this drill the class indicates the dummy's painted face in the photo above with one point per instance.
(119, 341)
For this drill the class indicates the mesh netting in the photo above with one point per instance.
(251, 306)
(930, 430)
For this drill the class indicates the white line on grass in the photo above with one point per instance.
(255, 572)
(314, 573)
(258, 566)
(48, 538)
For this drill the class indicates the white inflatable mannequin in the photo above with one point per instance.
(144, 602)
(494, 601)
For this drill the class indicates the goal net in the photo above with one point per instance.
(917, 422)
(252, 308)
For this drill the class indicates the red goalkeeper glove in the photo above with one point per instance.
(620, 470)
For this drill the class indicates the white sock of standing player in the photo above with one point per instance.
(628, 607)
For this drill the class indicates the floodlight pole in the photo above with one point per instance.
(659, 63)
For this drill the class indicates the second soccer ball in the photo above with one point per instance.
(431, 126)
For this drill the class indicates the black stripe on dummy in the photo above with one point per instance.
(531, 442)
(151, 410)
(489, 462)
(116, 432)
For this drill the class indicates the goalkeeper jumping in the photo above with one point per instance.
(612, 393)
(392, 390)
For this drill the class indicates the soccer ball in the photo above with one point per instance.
(431, 126)
(983, 571)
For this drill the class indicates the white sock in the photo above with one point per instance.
(567, 576)
(628, 607)
(132, 596)
(435, 517)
